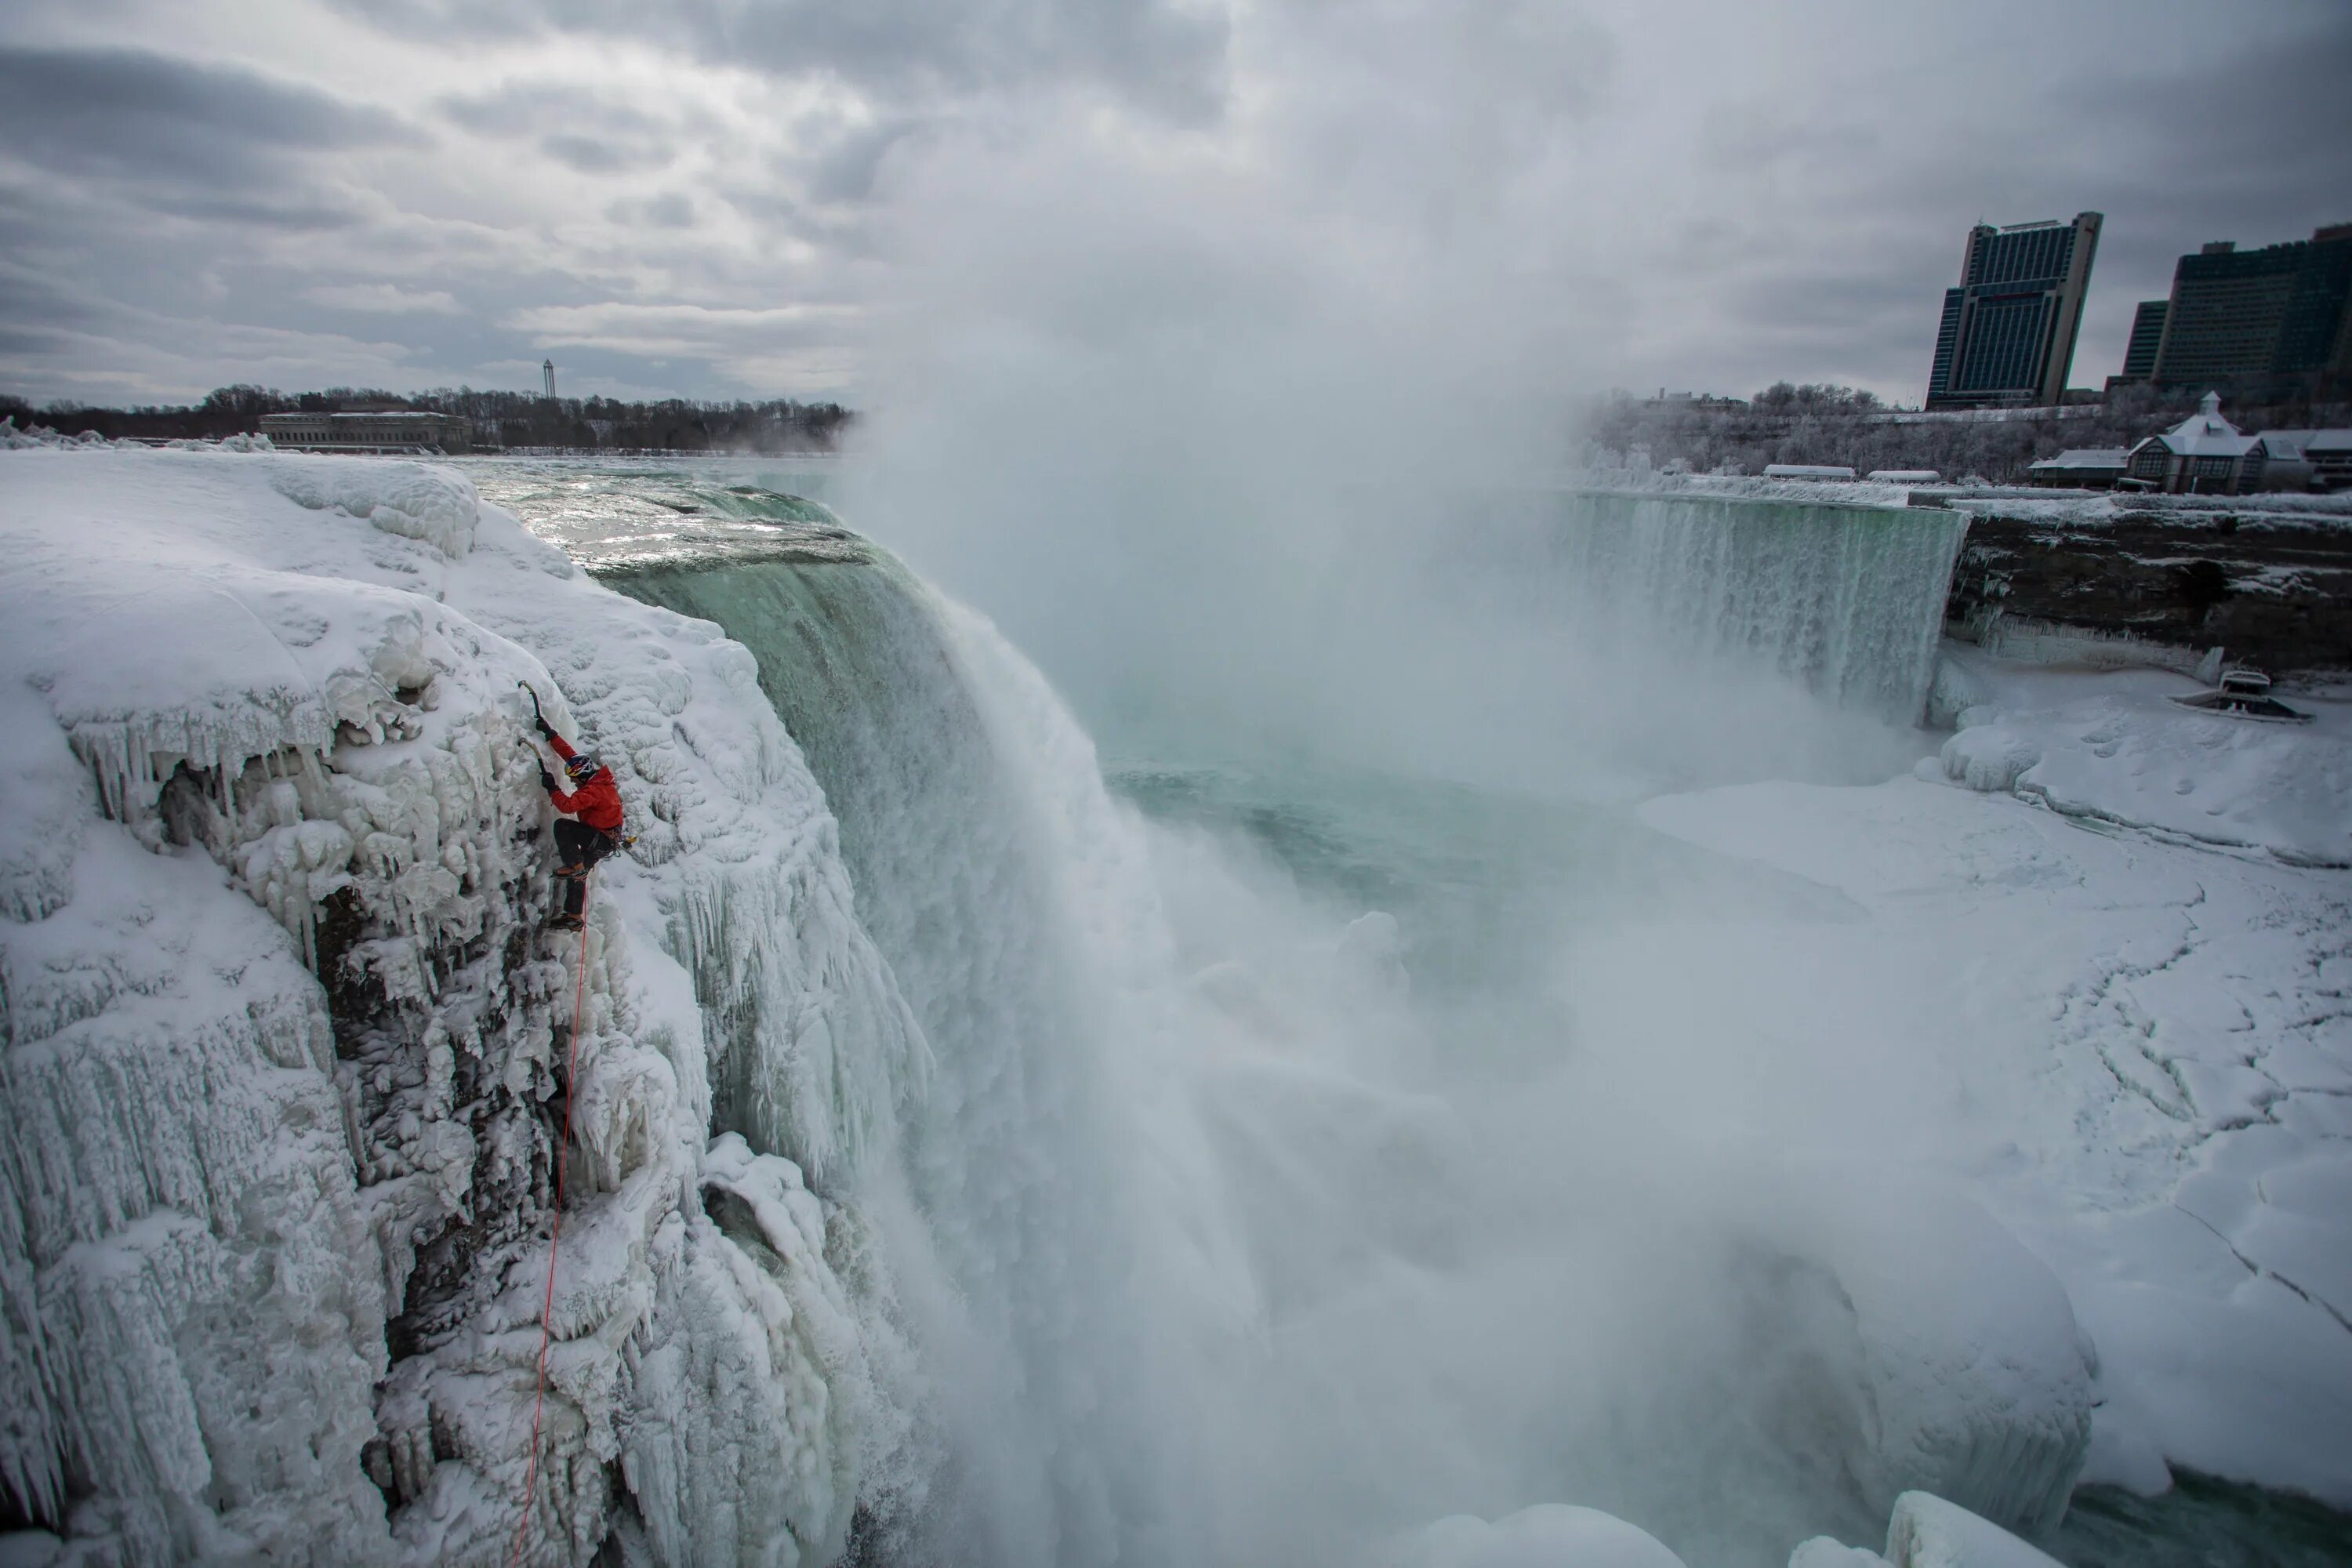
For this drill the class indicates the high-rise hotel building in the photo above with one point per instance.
(2008, 332)
(2265, 323)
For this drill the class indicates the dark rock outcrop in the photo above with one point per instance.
(2273, 591)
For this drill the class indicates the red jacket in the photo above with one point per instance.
(596, 803)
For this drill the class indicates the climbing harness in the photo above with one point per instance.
(555, 1238)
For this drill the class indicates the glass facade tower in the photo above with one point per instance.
(2147, 336)
(2007, 333)
(2273, 319)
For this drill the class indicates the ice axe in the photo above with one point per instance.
(538, 718)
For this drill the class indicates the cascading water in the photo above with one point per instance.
(1845, 600)
(1021, 1202)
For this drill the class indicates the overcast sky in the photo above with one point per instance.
(734, 199)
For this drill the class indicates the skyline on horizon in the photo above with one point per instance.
(741, 201)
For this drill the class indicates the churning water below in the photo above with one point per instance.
(1389, 941)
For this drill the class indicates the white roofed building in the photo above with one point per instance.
(2329, 453)
(2204, 454)
(2082, 468)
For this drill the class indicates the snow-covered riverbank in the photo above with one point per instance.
(2117, 1002)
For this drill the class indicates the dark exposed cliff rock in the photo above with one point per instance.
(2271, 590)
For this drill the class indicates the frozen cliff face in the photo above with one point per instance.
(286, 1048)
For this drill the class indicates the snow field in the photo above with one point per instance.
(2136, 1052)
(2110, 746)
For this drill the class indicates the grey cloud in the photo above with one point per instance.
(27, 297)
(600, 156)
(112, 111)
(669, 210)
(1748, 138)
(1682, 201)
(593, 132)
(1165, 56)
(532, 108)
(846, 171)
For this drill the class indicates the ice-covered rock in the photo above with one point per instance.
(1989, 758)
(1975, 1379)
(1925, 1531)
(1953, 690)
(1548, 1535)
(285, 1060)
(2110, 746)
(1823, 1551)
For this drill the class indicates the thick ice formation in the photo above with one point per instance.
(1975, 1379)
(1548, 1535)
(264, 726)
(1925, 1531)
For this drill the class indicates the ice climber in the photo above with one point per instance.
(590, 828)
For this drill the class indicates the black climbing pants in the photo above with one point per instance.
(577, 844)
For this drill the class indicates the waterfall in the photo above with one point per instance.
(1847, 600)
(985, 889)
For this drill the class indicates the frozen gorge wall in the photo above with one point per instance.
(1846, 601)
(285, 1048)
(2135, 582)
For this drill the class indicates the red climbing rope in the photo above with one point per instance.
(555, 1238)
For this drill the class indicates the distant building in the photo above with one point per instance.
(2329, 453)
(2082, 468)
(2146, 337)
(2204, 454)
(2286, 465)
(1806, 471)
(1905, 477)
(2008, 331)
(375, 430)
(2267, 322)
(547, 371)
